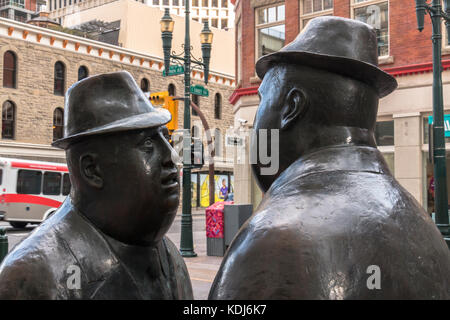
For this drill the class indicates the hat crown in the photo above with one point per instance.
(340, 37)
(339, 45)
(100, 100)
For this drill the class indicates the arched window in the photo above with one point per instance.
(172, 90)
(217, 106)
(60, 75)
(9, 69)
(217, 142)
(145, 85)
(195, 100)
(8, 119)
(58, 123)
(83, 72)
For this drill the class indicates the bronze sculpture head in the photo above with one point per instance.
(326, 80)
(124, 197)
(119, 159)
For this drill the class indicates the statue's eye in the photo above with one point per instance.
(148, 143)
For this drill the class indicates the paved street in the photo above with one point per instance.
(202, 268)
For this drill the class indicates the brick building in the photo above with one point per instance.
(38, 65)
(264, 26)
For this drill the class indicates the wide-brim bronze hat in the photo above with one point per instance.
(339, 45)
(107, 103)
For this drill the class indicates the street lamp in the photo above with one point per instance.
(206, 37)
(438, 132)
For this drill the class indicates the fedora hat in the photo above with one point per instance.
(343, 46)
(107, 103)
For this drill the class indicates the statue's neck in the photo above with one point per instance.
(324, 137)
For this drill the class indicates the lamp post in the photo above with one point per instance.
(206, 37)
(438, 144)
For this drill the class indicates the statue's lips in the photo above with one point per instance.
(170, 181)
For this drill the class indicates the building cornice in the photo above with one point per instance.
(238, 93)
(415, 69)
(64, 41)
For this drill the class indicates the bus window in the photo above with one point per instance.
(29, 182)
(66, 184)
(52, 183)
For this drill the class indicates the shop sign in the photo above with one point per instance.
(446, 123)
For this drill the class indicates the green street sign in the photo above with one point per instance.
(174, 70)
(199, 90)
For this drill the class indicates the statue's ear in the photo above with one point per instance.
(294, 106)
(90, 170)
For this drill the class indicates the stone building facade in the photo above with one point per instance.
(38, 50)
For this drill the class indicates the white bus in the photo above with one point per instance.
(30, 191)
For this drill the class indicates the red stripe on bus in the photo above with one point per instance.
(28, 198)
(25, 165)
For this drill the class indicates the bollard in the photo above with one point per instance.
(3, 244)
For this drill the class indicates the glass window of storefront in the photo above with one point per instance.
(384, 133)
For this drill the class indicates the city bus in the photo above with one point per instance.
(30, 191)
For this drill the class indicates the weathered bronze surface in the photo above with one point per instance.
(333, 212)
(124, 197)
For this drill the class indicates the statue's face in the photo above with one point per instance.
(142, 182)
(268, 116)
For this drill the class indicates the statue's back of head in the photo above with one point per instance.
(323, 82)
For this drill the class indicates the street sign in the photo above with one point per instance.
(174, 70)
(199, 90)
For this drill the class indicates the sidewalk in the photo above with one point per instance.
(203, 268)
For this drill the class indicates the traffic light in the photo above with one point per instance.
(164, 100)
(197, 158)
(158, 98)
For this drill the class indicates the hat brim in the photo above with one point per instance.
(152, 119)
(382, 82)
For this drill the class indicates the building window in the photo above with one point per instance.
(214, 3)
(145, 85)
(384, 133)
(82, 73)
(214, 22)
(8, 119)
(205, 3)
(175, 3)
(195, 99)
(58, 123)
(217, 106)
(224, 23)
(195, 3)
(156, 2)
(9, 69)
(310, 9)
(376, 14)
(224, 3)
(165, 2)
(60, 74)
(270, 29)
(172, 90)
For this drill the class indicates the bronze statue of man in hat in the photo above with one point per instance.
(107, 239)
(333, 223)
